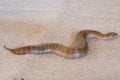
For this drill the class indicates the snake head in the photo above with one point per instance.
(112, 35)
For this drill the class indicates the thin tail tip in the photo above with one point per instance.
(6, 47)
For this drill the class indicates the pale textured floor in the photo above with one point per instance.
(25, 22)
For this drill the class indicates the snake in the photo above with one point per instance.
(80, 49)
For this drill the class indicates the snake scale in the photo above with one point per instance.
(80, 49)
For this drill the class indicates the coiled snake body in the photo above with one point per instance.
(80, 49)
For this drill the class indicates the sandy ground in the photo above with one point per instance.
(28, 22)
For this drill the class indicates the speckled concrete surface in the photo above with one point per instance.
(24, 22)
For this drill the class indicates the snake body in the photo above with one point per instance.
(80, 49)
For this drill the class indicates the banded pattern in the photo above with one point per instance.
(80, 49)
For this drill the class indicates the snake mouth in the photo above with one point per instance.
(117, 36)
